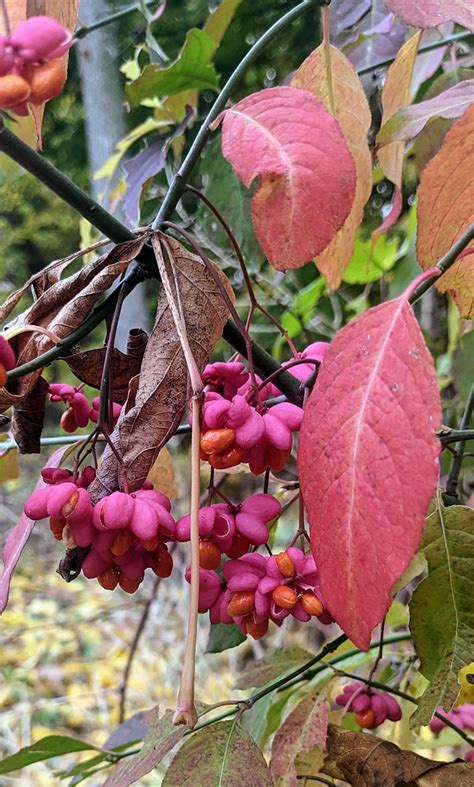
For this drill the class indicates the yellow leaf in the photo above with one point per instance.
(162, 475)
(352, 111)
(466, 681)
(395, 95)
(8, 463)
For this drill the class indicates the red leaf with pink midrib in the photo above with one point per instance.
(288, 139)
(368, 461)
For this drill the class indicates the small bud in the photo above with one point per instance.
(230, 458)
(241, 603)
(216, 440)
(311, 604)
(13, 90)
(209, 554)
(108, 579)
(256, 630)
(366, 719)
(285, 565)
(47, 81)
(284, 597)
(128, 585)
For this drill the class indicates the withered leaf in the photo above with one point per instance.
(61, 309)
(88, 365)
(367, 761)
(44, 279)
(28, 418)
(163, 389)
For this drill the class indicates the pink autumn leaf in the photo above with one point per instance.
(18, 536)
(287, 138)
(368, 461)
(431, 13)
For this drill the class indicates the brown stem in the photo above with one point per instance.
(186, 710)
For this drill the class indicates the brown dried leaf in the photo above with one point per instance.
(352, 111)
(28, 418)
(62, 308)
(88, 365)
(303, 730)
(163, 476)
(43, 280)
(445, 211)
(367, 761)
(163, 389)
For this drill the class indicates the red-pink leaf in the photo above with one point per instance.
(431, 13)
(287, 138)
(368, 461)
(18, 537)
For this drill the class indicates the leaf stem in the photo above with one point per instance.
(462, 36)
(452, 482)
(186, 711)
(444, 263)
(84, 30)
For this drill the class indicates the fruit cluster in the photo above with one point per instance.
(370, 707)
(238, 427)
(255, 589)
(125, 533)
(462, 716)
(78, 411)
(32, 69)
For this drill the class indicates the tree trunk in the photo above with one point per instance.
(105, 125)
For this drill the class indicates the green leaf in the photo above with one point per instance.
(442, 607)
(220, 20)
(223, 636)
(44, 749)
(273, 664)
(192, 69)
(463, 365)
(162, 737)
(370, 263)
(231, 198)
(221, 755)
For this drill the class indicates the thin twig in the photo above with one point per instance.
(445, 262)
(452, 482)
(428, 48)
(84, 30)
(6, 20)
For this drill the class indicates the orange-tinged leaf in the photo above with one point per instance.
(163, 476)
(445, 210)
(352, 111)
(288, 139)
(395, 95)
